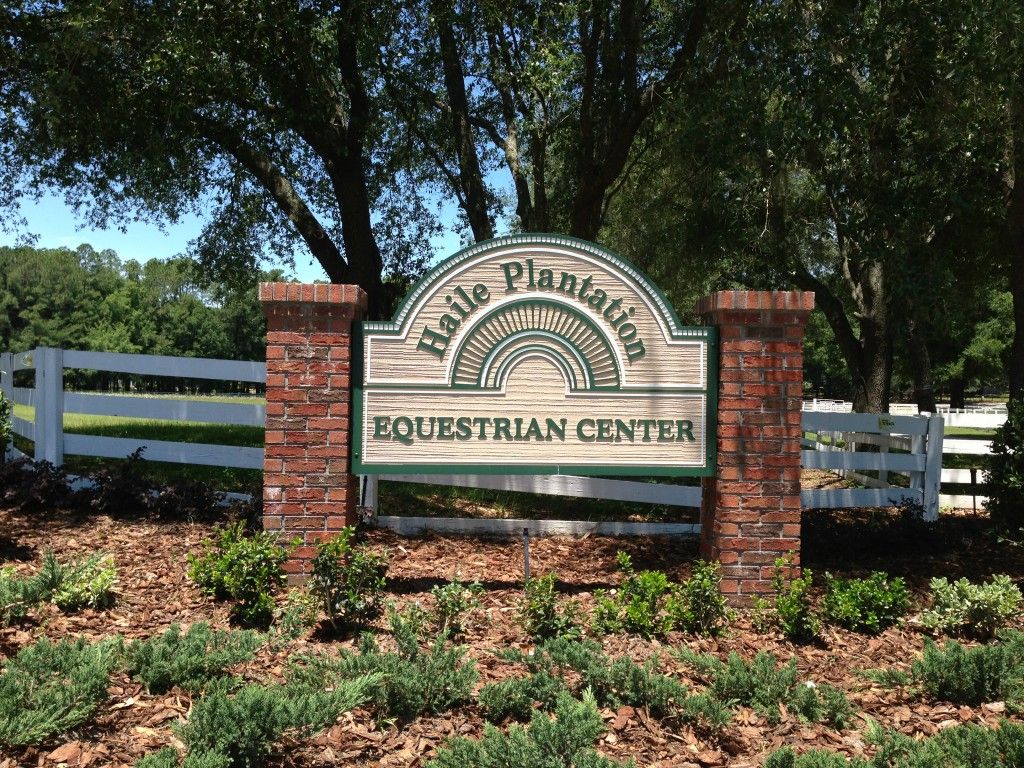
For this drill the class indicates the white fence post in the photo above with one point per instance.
(933, 469)
(49, 363)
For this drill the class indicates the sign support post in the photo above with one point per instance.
(309, 490)
(750, 511)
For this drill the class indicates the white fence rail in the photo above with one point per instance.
(910, 446)
(51, 402)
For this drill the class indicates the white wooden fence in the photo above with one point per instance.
(51, 402)
(911, 446)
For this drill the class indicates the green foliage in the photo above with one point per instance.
(976, 610)
(566, 740)
(540, 613)
(793, 612)
(238, 729)
(86, 583)
(162, 758)
(189, 660)
(299, 613)
(1004, 473)
(49, 688)
(245, 569)
(348, 579)
(865, 605)
(698, 605)
(451, 601)
(17, 595)
(414, 681)
(962, 746)
(763, 685)
(612, 682)
(649, 604)
(972, 676)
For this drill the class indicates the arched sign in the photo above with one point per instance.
(534, 354)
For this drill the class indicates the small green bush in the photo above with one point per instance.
(1004, 473)
(238, 730)
(698, 605)
(299, 614)
(19, 594)
(868, 605)
(763, 685)
(972, 676)
(162, 758)
(962, 746)
(540, 613)
(975, 610)
(86, 583)
(414, 681)
(348, 579)
(637, 606)
(245, 569)
(565, 740)
(49, 688)
(793, 612)
(516, 696)
(452, 601)
(188, 660)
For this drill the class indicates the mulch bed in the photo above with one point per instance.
(154, 592)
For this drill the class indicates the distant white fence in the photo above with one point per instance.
(908, 445)
(51, 402)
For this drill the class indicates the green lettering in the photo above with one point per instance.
(448, 324)
(665, 430)
(597, 299)
(482, 422)
(501, 429)
(558, 427)
(432, 341)
(463, 430)
(647, 424)
(480, 293)
(533, 431)
(684, 427)
(568, 283)
(622, 428)
(510, 276)
(380, 426)
(579, 430)
(402, 428)
(547, 279)
(604, 430)
(444, 428)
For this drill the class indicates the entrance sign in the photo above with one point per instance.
(534, 354)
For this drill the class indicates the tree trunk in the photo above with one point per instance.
(921, 369)
(1015, 227)
(957, 394)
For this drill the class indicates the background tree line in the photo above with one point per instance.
(91, 300)
(872, 152)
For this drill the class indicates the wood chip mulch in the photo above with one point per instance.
(154, 592)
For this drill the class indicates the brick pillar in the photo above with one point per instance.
(750, 510)
(308, 490)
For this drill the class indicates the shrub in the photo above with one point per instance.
(815, 758)
(977, 610)
(565, 740)
(188, 660)
(246, 569)
(49, 688)
(408, 683)
(1004, 473)
(638, 604)
(763, 685)
(238, 730)
(347, 579)
(541, 615)
(17, 596)
(972, 676)
(793, 612)
(515, 697)
(299, 614)
(86, 583)
(698, 605)
(162, 758)
(451, 601)
(865, 605)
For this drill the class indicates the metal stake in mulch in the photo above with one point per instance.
(526, 555)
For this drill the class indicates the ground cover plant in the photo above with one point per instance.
(792, 611)
(541, 614)
(348, 579)
(865, 605)
(652, 707)
(188, 659)
(48, 688)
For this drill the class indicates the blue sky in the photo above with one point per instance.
(57, 226)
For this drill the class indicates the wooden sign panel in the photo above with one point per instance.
(535, 354)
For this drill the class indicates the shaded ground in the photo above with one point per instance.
(154, 592)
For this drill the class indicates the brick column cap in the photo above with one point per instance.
(314, 293)
(774, 301)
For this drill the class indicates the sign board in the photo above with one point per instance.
(534, 354)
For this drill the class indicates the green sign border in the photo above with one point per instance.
(709, 334)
